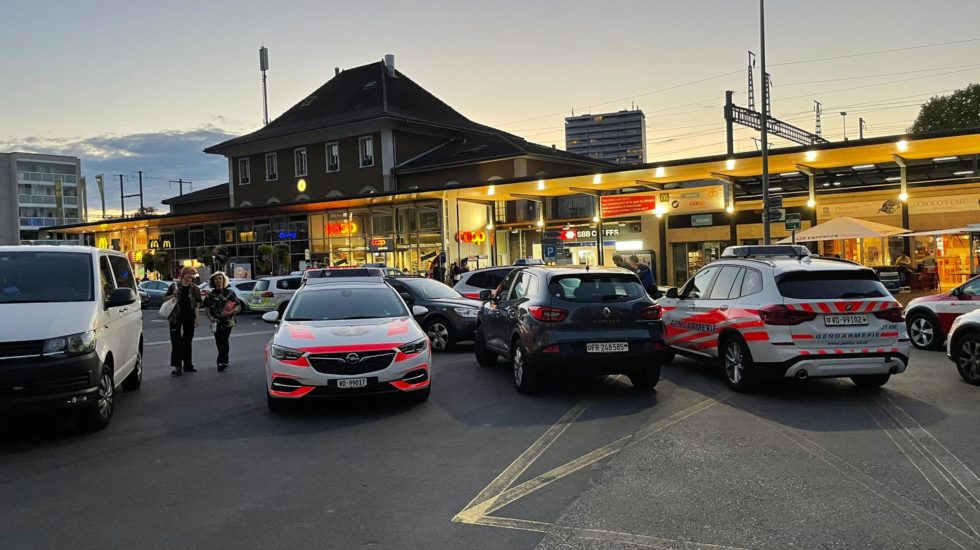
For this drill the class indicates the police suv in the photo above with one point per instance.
(766, 312)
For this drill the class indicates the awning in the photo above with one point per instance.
(975, 228)
(845, 228)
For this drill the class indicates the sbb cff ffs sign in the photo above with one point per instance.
(342, 228)
(471, 237)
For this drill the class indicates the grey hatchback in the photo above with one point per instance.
(550, 319)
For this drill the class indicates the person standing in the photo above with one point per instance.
(454, 272)
(620, 262)
(221, 305)
(647, 278)
(183, 320)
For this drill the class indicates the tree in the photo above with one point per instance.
(956, 111)
(280, 255)
(149, 261)
(158, 262)
(263, 263)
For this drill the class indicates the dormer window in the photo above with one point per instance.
(367, 151)
(271, 167)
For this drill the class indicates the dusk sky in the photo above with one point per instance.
(131, 86)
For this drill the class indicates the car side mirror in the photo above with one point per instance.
(121, 297)
(419, 311)
(409, 299)
(271, 317)
(486, 295)
(672, 293)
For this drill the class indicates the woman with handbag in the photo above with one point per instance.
(222, 304)
(185, 300)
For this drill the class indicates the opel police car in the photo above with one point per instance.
(349, 337)
(766, 312)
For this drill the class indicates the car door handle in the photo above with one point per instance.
(124, 310)
(723, 308)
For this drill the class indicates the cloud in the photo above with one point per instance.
(162, 156)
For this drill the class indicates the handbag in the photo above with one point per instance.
(168, 307)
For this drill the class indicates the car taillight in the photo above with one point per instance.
(548, 314)
(652, 313)
(782, 315)
(268, 294)
(474, 295)
(893, 314)
(553, 348)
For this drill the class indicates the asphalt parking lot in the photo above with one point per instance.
(199, 462)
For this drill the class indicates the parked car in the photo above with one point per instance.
(964, 346)
(388, 271)
(273, 293)
(451, 317)
(777, 312)
(337, 272)
(930, 318)
(472, 283)
(73, 334)
(346, 337)
(241, 287)
(156, 290)
(144, 299)
(549, 320)
(528, 261)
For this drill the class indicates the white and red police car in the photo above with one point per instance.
(768, 312)
(346, 337)
(964, 346)
(930, 318)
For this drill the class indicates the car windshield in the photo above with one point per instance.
(30, 276)
(831, 285)
(599, 287)
(338, 304)
(429, 289)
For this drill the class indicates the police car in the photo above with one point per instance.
(930, 318)
(766, 312)
(964, 346)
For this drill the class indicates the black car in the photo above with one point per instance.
(550, 320)
(144, 299)
(451, 317)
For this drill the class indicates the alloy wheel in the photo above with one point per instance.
(518, 365)
(921, 332)
(106, 395)
(969, 359)
(439, 335)
(734, 362)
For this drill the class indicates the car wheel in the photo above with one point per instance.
(277, 404)
(135, 378)
(737, 362)
(526, 376)
(441, 334)
(647, 379)
(966, 353)
(99, 413)
(484, 357)
(668, 357)
(925, 332)
(871, 380)
(419, 396)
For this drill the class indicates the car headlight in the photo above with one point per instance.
(417, 346)
(75, 344)
(466, 311)
(286, 354)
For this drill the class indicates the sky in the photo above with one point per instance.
(141, 85)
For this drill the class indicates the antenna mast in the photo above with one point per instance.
(264, 67)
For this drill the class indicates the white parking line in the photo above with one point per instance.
(233, 335)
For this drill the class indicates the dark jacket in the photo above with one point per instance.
(197, 299)
(648, 280)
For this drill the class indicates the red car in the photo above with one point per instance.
(930, 318)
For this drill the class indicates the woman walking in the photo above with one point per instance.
(183, 319)
(222, 304)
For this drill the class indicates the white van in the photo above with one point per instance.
(72, 330)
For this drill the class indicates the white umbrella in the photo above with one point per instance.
(845, 228)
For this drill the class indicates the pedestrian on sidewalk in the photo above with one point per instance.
(221, 305)
(647, 278)
(183, 320)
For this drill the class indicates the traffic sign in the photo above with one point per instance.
(777, 214)
(775, 201)
(793, 222)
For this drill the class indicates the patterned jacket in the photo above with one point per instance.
(215, 305)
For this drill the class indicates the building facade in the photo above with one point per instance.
(39, 192)
(618, 137)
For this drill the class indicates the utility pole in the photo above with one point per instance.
(765, 124)
(142, 210)
(861, 127)
(181, 183)
(818, 109)
(122, 198)
(843, 116)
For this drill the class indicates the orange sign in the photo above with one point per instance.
(379, 242)
(471, 237)
(611, 206)
(342, 228)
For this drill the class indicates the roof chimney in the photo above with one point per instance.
(336, 71)
(390, 63)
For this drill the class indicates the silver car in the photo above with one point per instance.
(273, 293)
(472, 283)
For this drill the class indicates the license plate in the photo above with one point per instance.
(845, 320)
(607, 347)
(352, 383)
